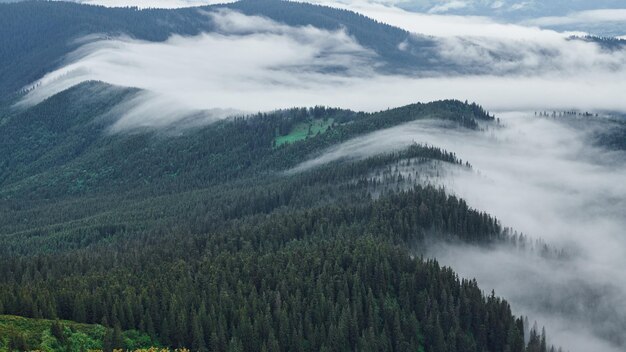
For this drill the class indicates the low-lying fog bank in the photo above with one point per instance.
(543, 177)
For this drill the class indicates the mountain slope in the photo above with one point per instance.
(62, 152)
(36, 35)
(205, 239)
(70, 131)
(217, 235)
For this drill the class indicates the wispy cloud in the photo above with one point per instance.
(470, 17)
(251, 63)
(447, 6)
(537, 175)
(255, 64)
(543, 177)
(582, 17)
(442, 25)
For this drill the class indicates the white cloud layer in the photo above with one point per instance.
(255, 64)
(447, 6)
(438, 24)
(493, 18)
(541, 177)
(436, 16)
(582, 17)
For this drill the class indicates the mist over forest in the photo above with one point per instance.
(354, 175)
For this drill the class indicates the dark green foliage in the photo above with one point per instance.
(204, 240)
(17, 342)
(351, 292)
(24, 334)
(56, 329)
(116, 340)
(67, 135)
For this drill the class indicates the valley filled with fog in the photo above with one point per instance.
(544, 168)
(540, 176)
(505, 67)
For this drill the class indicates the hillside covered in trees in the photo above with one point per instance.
(204, 225)
(205, 238)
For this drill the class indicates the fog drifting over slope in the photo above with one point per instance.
(541, 177)
(536, 175)
(255, 64)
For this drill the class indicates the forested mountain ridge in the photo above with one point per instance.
(201, 239)
(35, 36)
(62, 150)
(230, 234)
(69, 133)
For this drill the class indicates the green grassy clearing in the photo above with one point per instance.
(304, 130)
(25, 334)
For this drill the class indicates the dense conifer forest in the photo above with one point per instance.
(236, 234)
(207, 238)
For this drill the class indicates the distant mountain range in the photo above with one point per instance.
(510, 9)
(297, 229)
(37, 35)
(562, 15)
